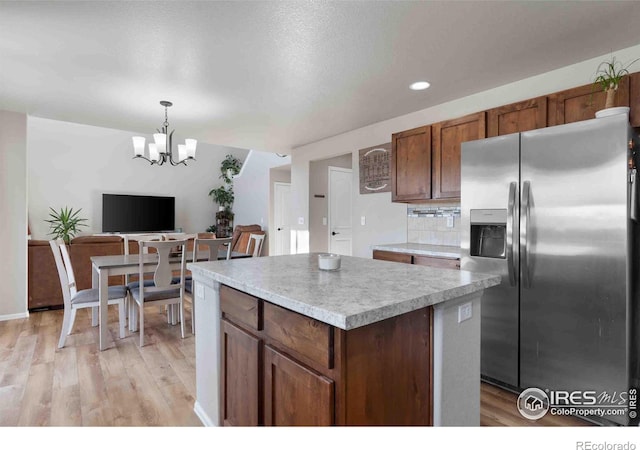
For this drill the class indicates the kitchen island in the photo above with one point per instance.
(280, 342)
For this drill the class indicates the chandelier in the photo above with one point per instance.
(161, 150)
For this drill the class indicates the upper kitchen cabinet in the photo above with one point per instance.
(446, 140)
(581, 103)
(517, 117)
(411, 165)
(634, 99)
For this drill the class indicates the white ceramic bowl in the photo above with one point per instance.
(612, 111)
(328, 261)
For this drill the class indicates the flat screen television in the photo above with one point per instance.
(137, 213)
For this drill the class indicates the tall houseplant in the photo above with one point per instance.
(608, 77)
(224, 196)
(65, 223)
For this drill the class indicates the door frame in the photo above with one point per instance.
(345, 170)
(275, 201)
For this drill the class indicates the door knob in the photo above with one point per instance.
(333, 233)
(279, 229)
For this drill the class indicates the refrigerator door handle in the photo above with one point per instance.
(524, 233)
(633, 197)
(510, 227)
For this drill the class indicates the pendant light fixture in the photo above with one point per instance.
(161, 150)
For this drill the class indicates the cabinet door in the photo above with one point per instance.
(581, 103)
(240, 402)
(634, 99)
(411, 165)
(392, 256)
(295, 394)
(436, 262)
(517, 117)
(447, 137)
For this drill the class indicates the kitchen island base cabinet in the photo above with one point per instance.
(299, 371)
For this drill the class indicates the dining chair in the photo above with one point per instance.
(257, 247)
(85, 298)
(212, 247)
(134, 283)
(163, 291)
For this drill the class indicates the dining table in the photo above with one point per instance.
(105, 266)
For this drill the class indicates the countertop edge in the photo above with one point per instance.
(348, 322)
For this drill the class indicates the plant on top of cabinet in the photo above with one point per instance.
(608, 77)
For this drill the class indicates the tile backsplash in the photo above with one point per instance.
(427, 224)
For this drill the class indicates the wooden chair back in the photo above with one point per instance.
(212, 246)
(257, 247)
(162, 275)
(67, 281)
(136, 238)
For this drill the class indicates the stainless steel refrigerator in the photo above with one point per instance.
(551, 210)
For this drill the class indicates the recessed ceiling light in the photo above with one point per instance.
(419, 85)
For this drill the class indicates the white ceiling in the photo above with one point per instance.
(275, 75)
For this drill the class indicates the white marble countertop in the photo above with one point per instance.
(363, 291)
(440, 251)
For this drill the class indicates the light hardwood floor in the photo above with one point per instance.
(78, 385)
(81, 386)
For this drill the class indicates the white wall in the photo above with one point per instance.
(13, 215)
(73, 165)
(386, 222)
(251, 188)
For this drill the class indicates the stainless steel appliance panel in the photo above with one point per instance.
(573, 257)
(490, 169)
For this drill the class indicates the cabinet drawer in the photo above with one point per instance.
(305, 336)
(436, 262)
(240, 307)
(392, 256)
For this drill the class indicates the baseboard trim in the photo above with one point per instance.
(202, 415)
(22, 315)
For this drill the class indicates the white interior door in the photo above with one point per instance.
(281, 213)
(340, 186)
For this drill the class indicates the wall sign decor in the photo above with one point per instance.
(375, 175)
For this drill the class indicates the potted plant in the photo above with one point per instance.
(608, 77)
(229, 168)
(224, 217)
(65, 223)
(224, 196)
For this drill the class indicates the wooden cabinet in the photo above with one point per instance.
(268, 360)
(283, 368)
(240, 376)
(295, 394)
(411, 165)
(581, 103)
(425, 161)
(446, 140)
(392, 256)
(446, 263)
(517, 117)
(420, 260)
(634, 99)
